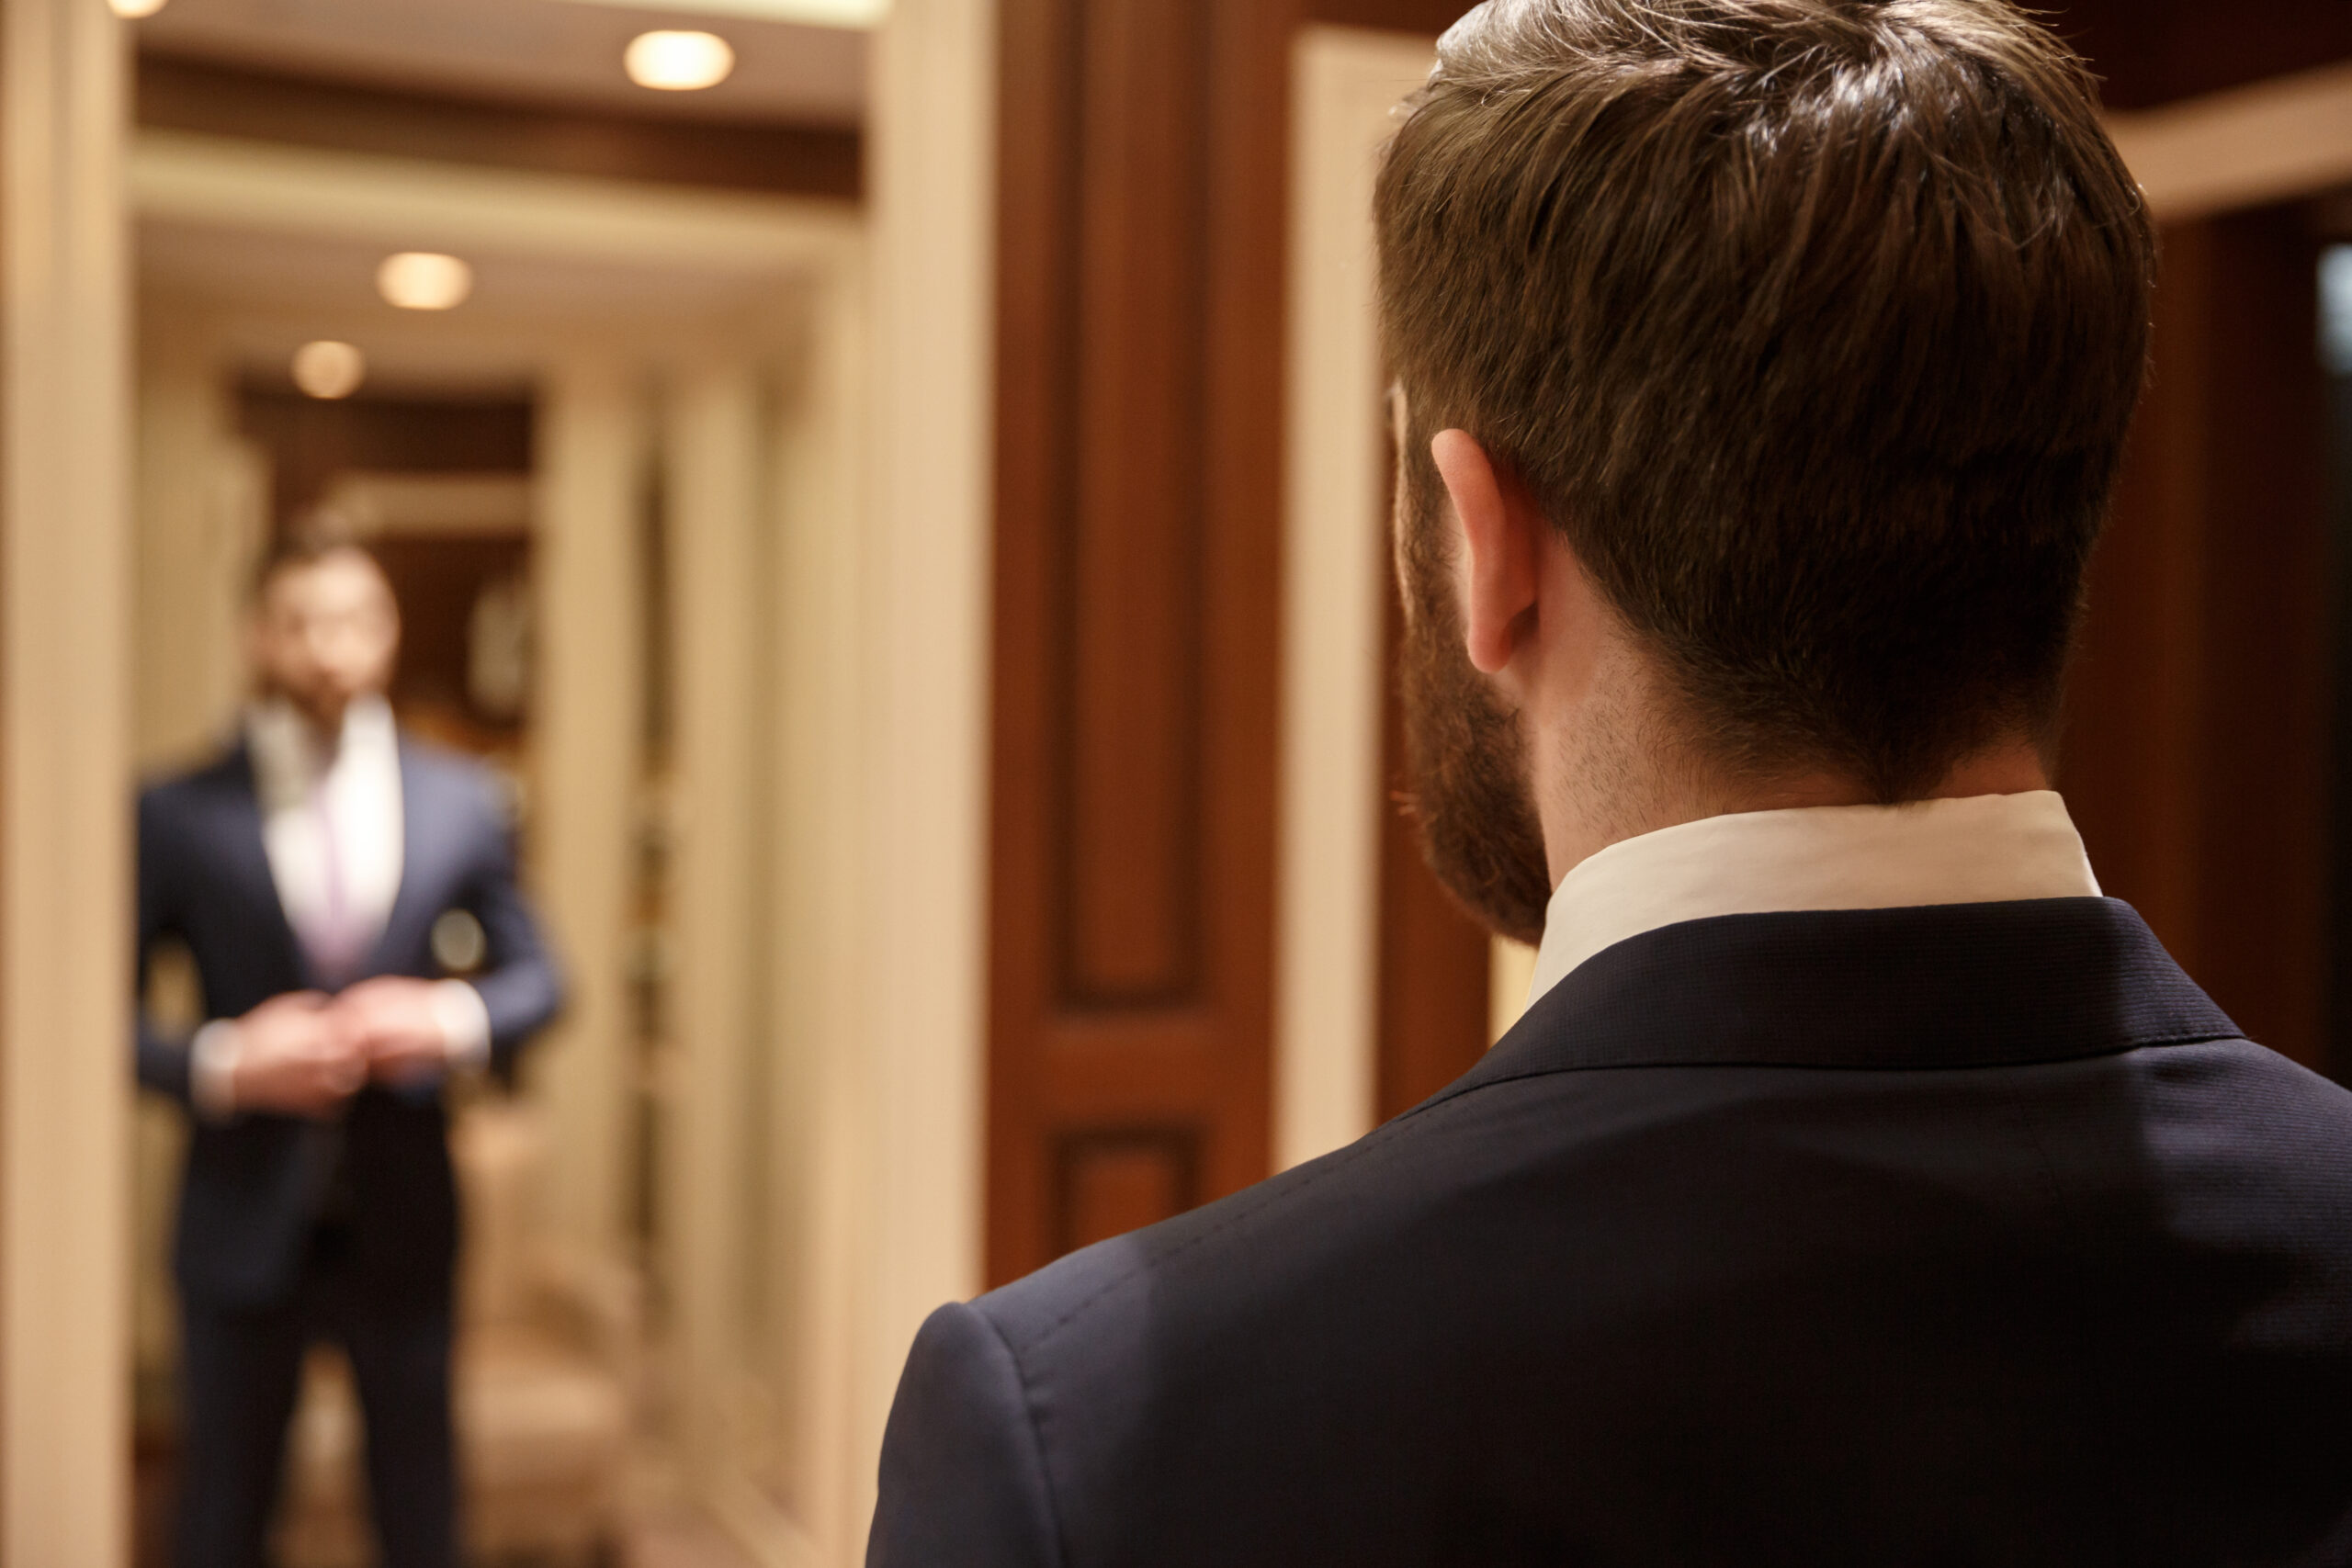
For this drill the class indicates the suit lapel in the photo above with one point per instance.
(246, 850)
(421, 823)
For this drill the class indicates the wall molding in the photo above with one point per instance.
(413, 202)
(1346, 83)
(2251, 146)
(65, 724)
(923, 651)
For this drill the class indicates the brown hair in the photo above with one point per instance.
(320, 536)
(1814, 325)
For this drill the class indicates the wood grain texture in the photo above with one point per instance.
(1138, 482)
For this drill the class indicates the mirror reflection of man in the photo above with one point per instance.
(306, 871)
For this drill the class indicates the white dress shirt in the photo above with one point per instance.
(332, 823)
(1992, 849)
(334, 827)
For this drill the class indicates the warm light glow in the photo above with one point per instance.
(329, 370)
(134, 9)
(2335, 308)
(421, 280)
(806, 13)
(679, 62)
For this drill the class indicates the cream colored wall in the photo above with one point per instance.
(1347, 83)
(813, 795)
(588, 769)
(713, 458)
(66, 721)
(202, 510)
(1511, 973)
(924, 648)
(765, 539)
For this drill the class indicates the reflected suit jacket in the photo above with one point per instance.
(256, 1185)
(1961, 1236)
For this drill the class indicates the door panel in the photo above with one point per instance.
(1138, 482)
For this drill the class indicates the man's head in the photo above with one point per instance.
(1812, 329)
(324, 629)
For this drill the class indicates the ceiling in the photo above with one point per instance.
(257, 296)
(556, 51)
(250, 271)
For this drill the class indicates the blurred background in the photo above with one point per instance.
(561, 325)
(897, 491)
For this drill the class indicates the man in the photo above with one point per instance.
(1861, 1187)
(307, 871)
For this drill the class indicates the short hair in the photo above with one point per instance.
(1816, 327)
(318, 538)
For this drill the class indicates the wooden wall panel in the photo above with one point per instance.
(1109, 1183)
(1137, 496)
(1128, 728)
(2197, 734)
(2156, 52)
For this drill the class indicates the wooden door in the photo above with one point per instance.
(1138, 530)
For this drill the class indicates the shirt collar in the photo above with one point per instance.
(1991, 848)
(288, 759)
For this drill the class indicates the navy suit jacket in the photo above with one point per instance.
(255, 1185)
(1954, 1236)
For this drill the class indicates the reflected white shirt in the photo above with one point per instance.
(356, 877)
(357, 785)
(1990, 849)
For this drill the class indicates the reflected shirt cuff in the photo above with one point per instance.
(465, 1024)
(212, 1069)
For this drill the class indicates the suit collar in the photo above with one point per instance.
(1947, 987)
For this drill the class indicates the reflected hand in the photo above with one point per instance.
(395, 1028)
(293, 1056)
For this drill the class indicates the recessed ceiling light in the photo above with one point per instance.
(135, 8)
(422, 280)
(679, 61)
(329, 370)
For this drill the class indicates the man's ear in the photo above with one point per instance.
(1497, 567)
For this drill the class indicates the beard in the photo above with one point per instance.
(1470, 795)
